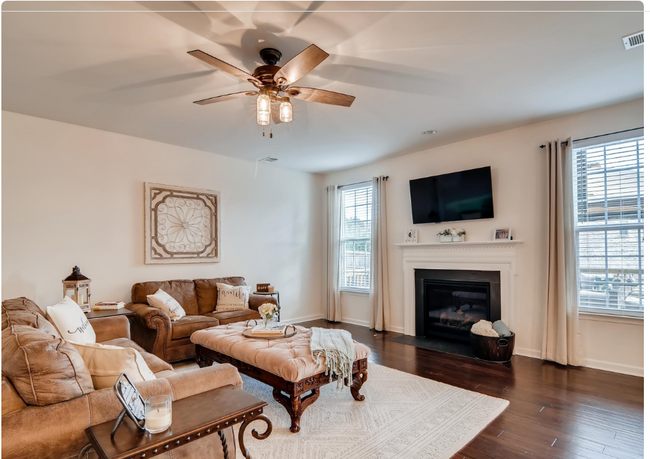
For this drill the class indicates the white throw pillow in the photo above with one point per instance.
(163, 300)
(231, 297)
(71, 322)
(106, 363)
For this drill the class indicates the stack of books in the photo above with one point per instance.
(275, 330)
(108, 305)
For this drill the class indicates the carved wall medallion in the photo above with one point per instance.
(182, 225)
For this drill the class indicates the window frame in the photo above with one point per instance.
(343, 240)
(605, 227)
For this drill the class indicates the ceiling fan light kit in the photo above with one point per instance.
(271, 81)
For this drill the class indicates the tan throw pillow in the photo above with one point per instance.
(105, 363)
(163, 300)
(71, 322)
(43, 369)
(232, 298)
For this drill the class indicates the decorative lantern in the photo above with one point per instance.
(77, 287)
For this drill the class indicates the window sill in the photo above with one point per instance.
(355, 291)
(618, 319)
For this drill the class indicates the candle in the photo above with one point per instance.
(158, 420)
(158, 413)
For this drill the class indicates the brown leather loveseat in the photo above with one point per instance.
(50, 422)
(170, 340)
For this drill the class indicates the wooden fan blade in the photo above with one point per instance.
(301, 64)
(275, 112)
(226, 67)
(321, 96)
(223, 97)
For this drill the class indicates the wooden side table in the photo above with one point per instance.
(110, 312)
(271, 294)
(192, 418)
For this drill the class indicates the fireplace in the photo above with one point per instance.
(448, 302)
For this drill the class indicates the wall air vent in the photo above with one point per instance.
(633, 41)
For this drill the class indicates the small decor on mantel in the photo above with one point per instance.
(452, 235)
(411, 236)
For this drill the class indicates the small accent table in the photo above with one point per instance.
(192, 418)
(109, 313)
(272, 294)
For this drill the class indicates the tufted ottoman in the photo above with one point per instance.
(284, 364)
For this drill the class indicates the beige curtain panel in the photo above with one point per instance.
(562, 342)
(333, 292)
(379, 298)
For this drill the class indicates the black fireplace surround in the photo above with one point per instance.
(449, 302)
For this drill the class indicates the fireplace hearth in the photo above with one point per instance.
(449, 302)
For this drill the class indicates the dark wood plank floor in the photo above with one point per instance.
(554, 412)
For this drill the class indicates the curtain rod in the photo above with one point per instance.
(359, 183)
(596, 136)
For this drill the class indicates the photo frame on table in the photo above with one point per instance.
(501, 234)
(132, 403)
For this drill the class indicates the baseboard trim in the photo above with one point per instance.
(362, 323)
(397, 329)
(614, 367)
(533, 353)
(294, 320)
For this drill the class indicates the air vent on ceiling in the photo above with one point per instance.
(634, 40)
(268, 159)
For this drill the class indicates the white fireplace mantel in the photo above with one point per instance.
(480, 256)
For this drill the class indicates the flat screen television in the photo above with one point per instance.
(464, 195)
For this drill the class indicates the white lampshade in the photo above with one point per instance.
(263, 104)
(263, 119)
(286, 111)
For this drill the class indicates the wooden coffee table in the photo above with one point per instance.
(192, 418)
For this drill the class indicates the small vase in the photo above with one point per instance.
(458, 238)
(267, 320)
(445, 238)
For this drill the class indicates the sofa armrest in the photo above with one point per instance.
(255, 301)
(107, 328)
(150, 317)
(31, 431)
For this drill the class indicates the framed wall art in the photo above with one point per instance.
(182, 225)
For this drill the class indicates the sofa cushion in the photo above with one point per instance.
(182, 291)
(106, 363)
(227, 317)
(43, 369)
(30, 318)
(162, 300)
(11, 401)
(71, 322)
(20, 304)
(187, 325)
(155, 363)
(206, 291)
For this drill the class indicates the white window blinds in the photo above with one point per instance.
(355, 237)
(609, 208)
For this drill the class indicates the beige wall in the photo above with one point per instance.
(75, 196)
(518, 170)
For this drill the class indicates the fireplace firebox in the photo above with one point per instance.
(449, 302)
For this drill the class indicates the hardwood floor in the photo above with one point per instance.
(554, 412)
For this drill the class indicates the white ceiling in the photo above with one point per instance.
(462, 68)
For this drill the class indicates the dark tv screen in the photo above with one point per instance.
(465, 195)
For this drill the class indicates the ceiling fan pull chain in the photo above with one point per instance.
(271, 134)
(263, 133)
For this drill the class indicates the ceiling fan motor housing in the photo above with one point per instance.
(270, 56)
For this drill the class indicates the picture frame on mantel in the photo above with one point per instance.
(182, 225)
(501, 234)
(411, 236)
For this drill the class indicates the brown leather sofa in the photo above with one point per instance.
(170, 340)
(57, 430)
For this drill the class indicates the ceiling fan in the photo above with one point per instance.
(272, 82)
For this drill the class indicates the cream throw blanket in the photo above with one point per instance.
(337, 347)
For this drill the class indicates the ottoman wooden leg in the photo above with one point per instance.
(357, 381)
(295, 405)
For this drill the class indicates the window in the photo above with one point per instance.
(608, 204)
(356, 202)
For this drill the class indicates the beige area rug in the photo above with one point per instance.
(403, 416)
